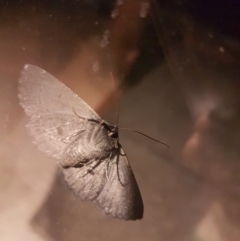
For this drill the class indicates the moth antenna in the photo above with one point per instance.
(117, 112)
(117, 115)
(77, 114)
(129, 129)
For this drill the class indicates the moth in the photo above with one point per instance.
(87, 147)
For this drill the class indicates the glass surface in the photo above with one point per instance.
(172, 67)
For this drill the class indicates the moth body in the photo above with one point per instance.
(90, 143)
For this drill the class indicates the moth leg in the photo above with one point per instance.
(87, 119)
(79, 164)
(107, 171)
(101, 122)
(119, 151)
(66, 139)
(119, 179)
(89, 171)
(78, 115)
(108, 162)
(85, 164)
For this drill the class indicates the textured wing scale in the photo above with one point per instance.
(41, 93)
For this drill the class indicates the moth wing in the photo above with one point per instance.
(51, 105)
(84, 183)
(120, 196)
(53, 132)
(40, 93)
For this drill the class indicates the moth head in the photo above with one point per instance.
(113, 131)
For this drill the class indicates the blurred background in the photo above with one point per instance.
(176, 78)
